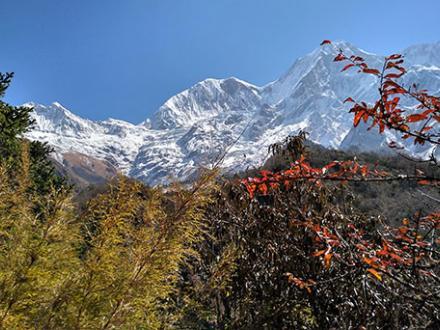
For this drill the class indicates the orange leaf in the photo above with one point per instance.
(397, 90)
(391, 105)
(327, 260)
(348, 66)
(375, 273)
(330, 165)
(263, 188)
(415, 118)
(365, 117)
(423, 182)
(318, 253)
(349, 99)
(371, 71)
(396, 257)
(265, 173)
(390, 83)
(404, 128)
(370, 261)
(393, 75)
(357, 118)
(394, 57)
(427, 112)
(339, 57)
(393, 64)
(250, 187)
(425, 129)
(403, 230)
(357, 59)
(364, 170)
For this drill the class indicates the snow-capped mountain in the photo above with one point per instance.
(195, 127)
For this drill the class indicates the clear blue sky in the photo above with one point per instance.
(124, 58)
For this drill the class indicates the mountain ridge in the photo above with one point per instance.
(193, 127)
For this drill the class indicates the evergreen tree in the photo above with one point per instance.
(14, 122)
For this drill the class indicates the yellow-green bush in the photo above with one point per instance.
(114, 266)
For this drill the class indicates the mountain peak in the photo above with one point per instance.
(59, 105)
(206, 99)
(423, 54)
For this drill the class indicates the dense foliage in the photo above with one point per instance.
(306, 258)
